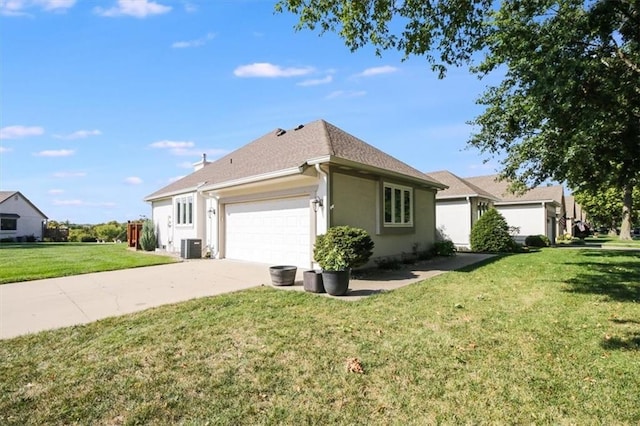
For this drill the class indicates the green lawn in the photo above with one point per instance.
(606, 241)
(25, 262)
(548, 337)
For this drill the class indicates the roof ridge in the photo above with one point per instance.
(325, 134)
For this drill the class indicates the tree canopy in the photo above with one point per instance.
(568, 105)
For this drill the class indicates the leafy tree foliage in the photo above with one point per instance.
(605, 205)
(568, 107)
(491, 234)
(110, 231)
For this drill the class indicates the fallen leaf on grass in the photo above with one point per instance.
(354, 366)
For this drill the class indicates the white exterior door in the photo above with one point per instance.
(273, 231)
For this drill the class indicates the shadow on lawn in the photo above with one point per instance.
(617, 279)
(629, 342)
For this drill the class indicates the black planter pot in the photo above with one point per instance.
(312, 281)
(336, 283)
(283, 275)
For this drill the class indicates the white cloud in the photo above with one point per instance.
(17, 132)
(69, 174)
(4, 149)
(172, 144)
(18, 7)
(135, 8)
(68, 202)
(133, 180)
(265, 69)
(55, 153)
(185, 165)
(55, 191)
(316, 82)
(369, 72)
(193, 43)
(80, 134)
(82, 203)
(346, 94)
(211, 152)
(190, 7)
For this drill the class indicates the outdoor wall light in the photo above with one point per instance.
(317, 202)
(211, 212)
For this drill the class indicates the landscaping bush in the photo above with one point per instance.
(148, 240)
(86, 238)
(7, 240)
(491, 234)
(444, 248)
(342, 246)
(30, 238)
(536, 241)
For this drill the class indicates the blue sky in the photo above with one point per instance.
(103, 102)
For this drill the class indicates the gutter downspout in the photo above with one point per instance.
(327, 206)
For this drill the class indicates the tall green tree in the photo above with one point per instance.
(604, 206)
(568, 106)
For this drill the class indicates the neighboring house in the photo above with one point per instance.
(574, 213)
(459, 207)
(19, 218)
(267, 201)
(539, 211)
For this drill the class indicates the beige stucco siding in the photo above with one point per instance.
(355, 203)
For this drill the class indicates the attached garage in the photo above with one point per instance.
(276, 232)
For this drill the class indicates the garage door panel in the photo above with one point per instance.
(274, 231)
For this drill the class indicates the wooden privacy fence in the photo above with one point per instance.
(134, 231)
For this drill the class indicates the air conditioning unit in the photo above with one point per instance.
(191, 249)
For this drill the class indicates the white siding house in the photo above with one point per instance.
(19, 218)
(268, 200)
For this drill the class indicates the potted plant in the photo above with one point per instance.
(339, 250)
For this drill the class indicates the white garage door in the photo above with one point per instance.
(273, 231)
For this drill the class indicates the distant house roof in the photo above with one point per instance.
(570, 206)
(458, 187)
(499, 189)
(315, 142)
(5, 195)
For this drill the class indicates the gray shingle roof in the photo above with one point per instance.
(570, 206)
(458, 187)
(500, 190)
(4, 195)
(272, 153)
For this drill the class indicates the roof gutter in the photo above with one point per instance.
(251, 179)
(374, 170)
(172, 193)
(508, 203)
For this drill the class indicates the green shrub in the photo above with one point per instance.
(7, 240)
(491, 234)
(86, 238)
(342, 247)
(536, 241)
(444, 248)
(148, 240)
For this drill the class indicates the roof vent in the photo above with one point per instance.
(299, 126)
(280, 132)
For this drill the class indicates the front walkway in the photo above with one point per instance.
(34, 306)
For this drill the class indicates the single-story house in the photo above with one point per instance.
(268, 200)
(538, 211)
(574, 213)
(459, 207)
(19, 217)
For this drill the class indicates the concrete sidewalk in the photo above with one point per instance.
(34, 306)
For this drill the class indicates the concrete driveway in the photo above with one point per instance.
(34, 306)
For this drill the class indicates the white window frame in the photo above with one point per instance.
(404, 191)
(184, 210)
